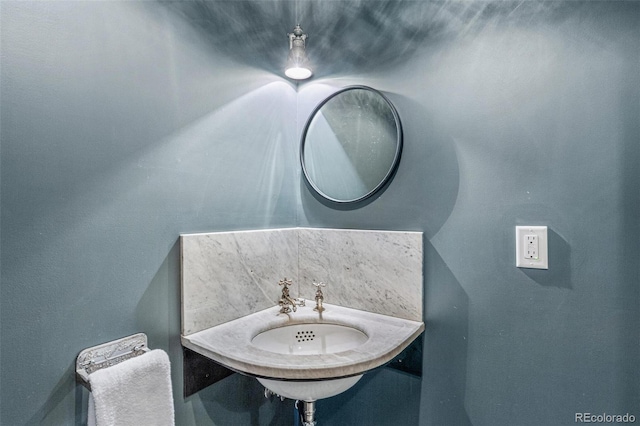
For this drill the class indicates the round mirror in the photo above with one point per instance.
(351, 144)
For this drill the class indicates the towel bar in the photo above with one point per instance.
(108, 354)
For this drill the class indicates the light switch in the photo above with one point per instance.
(531, 247)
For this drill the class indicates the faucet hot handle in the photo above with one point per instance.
(285, 282)
(320, 284)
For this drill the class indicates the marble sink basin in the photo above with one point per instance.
(310, 339)
(306, 355)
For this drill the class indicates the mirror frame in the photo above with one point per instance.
(394, 164)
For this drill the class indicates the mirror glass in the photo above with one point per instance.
(351, 144)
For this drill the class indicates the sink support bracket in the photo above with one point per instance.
(200, 371)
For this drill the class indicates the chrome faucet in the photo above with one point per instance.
(319, 297)
(286, 302)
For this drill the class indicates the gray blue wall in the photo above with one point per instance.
(122, 127)
(521, 122)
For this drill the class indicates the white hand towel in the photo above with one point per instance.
(91, 412)
(135, 392)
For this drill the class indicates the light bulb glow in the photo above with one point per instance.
(298, 72)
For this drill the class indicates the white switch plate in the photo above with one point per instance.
(531, 247)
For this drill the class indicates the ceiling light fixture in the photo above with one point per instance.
(297, 63)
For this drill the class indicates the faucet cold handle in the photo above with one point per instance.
(319, 288)
(319, 296)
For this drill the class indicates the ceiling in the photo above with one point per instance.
(344, 35)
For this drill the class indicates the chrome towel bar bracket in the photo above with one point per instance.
(108, 354)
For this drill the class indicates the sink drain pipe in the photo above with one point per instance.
(307, 415)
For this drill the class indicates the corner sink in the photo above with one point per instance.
(306, 355)
(309, 339)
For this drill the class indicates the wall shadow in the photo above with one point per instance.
(445, 345)
(559, 272)
(48, 413)
(431, 173)
(374, 400)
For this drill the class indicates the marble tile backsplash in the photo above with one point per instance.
(374, 271)
(228, 275)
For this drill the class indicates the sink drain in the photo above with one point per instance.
(305, 336)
